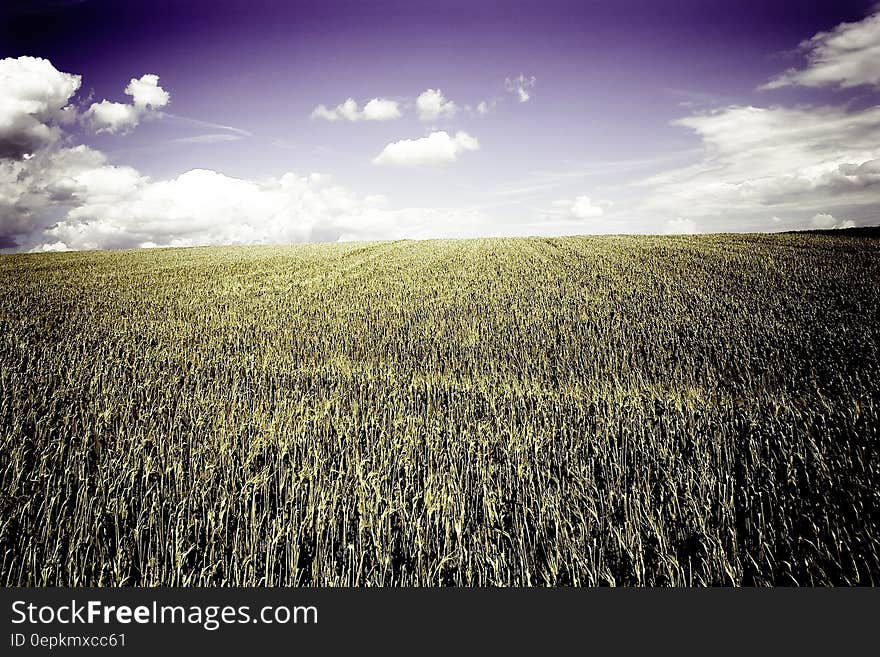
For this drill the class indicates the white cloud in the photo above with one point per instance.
(146, 92)
(53, 247)
(33, 102)
(347, 110)
(825, 221)
(777, 157)
(681, 226)
(147, 96)
(432, 105)
(848, 56)
(108, 116)
(323, 112)
(521, 86)
(35, 190)
(437, 148)
(377, 109)
(197, 207)
(381, 109)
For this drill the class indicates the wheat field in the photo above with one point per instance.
(623, 410)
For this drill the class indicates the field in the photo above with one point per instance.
(575, 411)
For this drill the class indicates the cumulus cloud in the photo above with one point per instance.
(432, 105)
(377, 109)
(437, 148)
(35, 190)
(348, 108)
(146, 92)
(785, 158)
(825, 221)
(381, 109)
(521, 86)
(847, 56)
(56, 247)
(681, 226)
(147, 96)
(33, 103)
(197, 207)
(108, 116)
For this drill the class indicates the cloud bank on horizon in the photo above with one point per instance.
(757, 167)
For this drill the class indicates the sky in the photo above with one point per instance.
(142, 124)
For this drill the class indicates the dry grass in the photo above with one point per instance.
(630, 410)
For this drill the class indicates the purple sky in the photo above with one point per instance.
(636, 120)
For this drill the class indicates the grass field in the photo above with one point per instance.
(579, 411)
